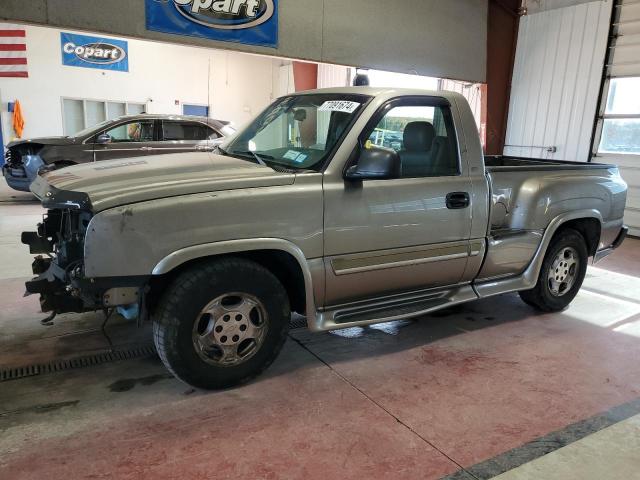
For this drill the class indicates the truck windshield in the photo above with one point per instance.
(299, 131)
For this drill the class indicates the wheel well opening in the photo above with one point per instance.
(589, 228)
(282, 264)
(64, 164)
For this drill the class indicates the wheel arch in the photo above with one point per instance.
(582, 220)
(590, 228)
(528, 279)
(59, 164)
(281, 257)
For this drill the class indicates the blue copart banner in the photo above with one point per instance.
(253, 22)
(94, 52)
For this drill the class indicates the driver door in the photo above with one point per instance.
(402, 234)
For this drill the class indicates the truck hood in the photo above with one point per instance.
(108, 184)
(44, 141)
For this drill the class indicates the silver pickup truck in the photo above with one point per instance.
(351, 206)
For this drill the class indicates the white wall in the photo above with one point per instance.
(556, 80)
(159, 74)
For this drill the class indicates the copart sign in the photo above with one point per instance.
(94, 52)
(253, 22)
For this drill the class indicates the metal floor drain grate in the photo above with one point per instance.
(17, 373)
(75, 363)
(297, 322)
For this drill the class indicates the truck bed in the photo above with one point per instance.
(507, 164)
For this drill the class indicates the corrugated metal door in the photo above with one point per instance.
(330, 76)
(557, 76)
(617, 138)
(473, 93)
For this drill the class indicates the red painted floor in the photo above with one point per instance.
(301, 421)
(406, 400)
(480, 393)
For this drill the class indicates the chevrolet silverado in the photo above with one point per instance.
(351, 206)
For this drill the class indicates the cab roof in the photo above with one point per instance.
(383, 92)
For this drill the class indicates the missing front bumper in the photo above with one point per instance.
(50, 285)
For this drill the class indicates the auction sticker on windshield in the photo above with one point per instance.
(339, 106)
(291, 155)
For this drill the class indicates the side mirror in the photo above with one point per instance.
(375, 164)
(300, 115)
(104, 138)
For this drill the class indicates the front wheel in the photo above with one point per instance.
(562, 273)
(221, 323)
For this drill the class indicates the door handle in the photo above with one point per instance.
(458, 200)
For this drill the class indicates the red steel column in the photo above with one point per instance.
(305, 75)
(501, 48)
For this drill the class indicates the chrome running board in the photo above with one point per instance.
(394, 307)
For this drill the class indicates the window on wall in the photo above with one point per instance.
(80, 114)
(115, 110)
(195, 110)
(621, 122)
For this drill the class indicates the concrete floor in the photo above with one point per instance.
(466, 393)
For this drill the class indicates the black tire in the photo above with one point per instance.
(541, 296)
(183, 302)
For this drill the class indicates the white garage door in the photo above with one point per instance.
(618, 127)
(557, 76)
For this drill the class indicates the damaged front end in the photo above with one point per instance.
(22, 164)
(59, 243)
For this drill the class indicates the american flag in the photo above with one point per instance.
(13, 51)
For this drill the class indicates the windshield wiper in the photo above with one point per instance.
(259, 158)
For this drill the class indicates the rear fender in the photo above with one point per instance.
(528, 279)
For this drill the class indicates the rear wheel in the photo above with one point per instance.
(562, 273)
(221, 323)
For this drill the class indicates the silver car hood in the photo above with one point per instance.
(107, 184)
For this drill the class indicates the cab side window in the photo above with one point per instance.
(139, 131)
(423, 136)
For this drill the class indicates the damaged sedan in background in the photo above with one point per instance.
(124, 137)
